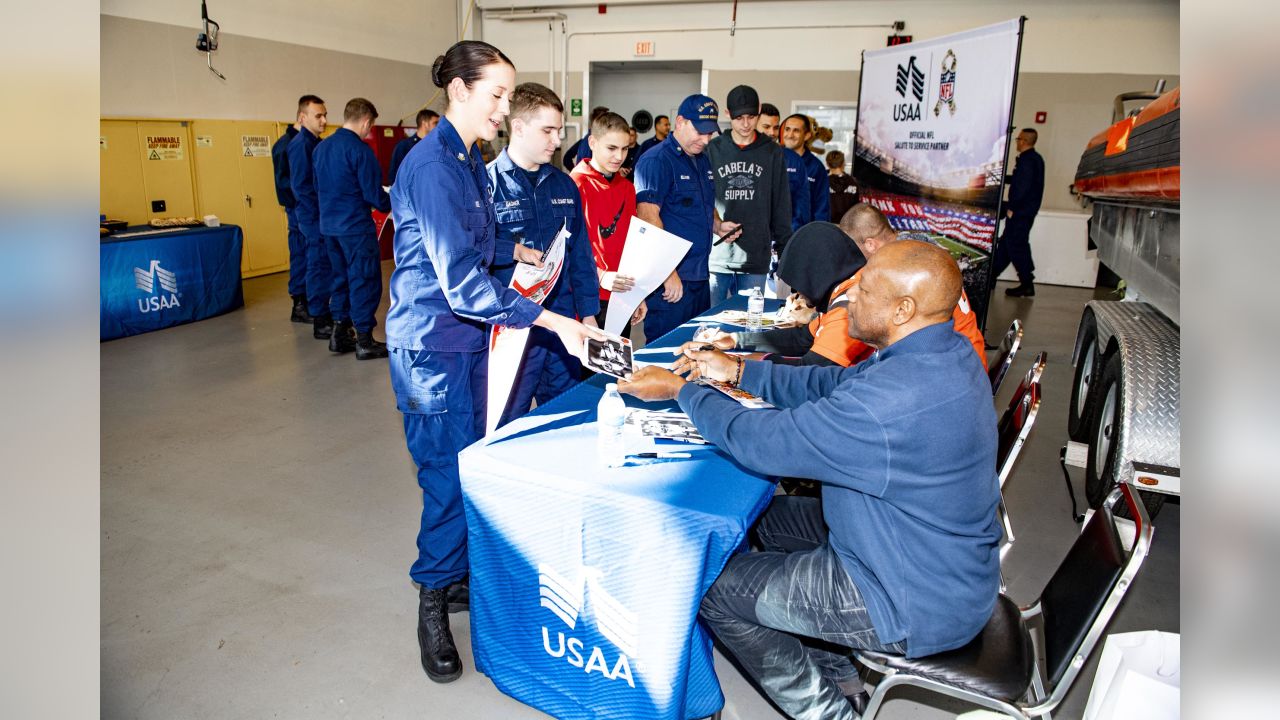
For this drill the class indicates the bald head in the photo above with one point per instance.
(906, 286)
(868, 227)
(924, 272)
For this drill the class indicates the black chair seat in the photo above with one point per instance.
(997, 663)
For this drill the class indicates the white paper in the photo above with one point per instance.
(1138, 678)
(507, 345)
(649, 255)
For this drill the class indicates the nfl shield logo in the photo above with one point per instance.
(946, 90)
(947, 85)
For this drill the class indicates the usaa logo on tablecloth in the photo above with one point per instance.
(160, 286)
(566, 600)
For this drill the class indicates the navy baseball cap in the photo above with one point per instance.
(702, 111)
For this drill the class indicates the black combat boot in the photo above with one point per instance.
(439, 654)
(1026, 289)
(458, 595)
(369, 349)
(343, 339)
(322, 326)
(300, 314)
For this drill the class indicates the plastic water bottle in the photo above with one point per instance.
(611, 416)
(755, 310)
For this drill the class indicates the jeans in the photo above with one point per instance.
(790, 613)
(726, 285)
(665, 316)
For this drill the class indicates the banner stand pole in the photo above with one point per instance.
(1008, 144)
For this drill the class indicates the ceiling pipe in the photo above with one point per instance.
(551, 18)
(564, 69)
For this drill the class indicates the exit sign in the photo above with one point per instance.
(644, 48)
(899, 40)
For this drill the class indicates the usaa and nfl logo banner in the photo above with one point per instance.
(933, 137)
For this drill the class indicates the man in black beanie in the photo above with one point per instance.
(751, 189)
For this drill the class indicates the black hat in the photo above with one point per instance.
(743, 100)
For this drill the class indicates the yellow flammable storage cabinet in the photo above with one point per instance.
(235, 180)
(145, 171)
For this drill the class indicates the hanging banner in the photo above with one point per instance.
(932, 138)
(506, 344)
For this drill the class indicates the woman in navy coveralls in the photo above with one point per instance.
(443, 301)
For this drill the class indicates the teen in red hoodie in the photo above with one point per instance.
(609, 201)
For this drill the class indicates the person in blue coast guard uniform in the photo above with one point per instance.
(675, 191)
(307, 209)
(534, 200)
(810, 185)
(348, 183)
(443, 302)
(427, 121)
(284, 195)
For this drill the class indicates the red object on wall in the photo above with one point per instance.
(383, 145)
(602, 8)
(1041, 117)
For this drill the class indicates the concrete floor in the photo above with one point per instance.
(259, 511)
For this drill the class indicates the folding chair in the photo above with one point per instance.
(1025, 660)
(1008, 348)
(1012, 430)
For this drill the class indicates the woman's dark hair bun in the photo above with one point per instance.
(467, 60)
(435, 72)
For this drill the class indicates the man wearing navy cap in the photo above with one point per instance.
(675, 191)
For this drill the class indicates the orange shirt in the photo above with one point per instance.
(831, 331)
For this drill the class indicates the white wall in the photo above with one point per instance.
(151, 69)
(414, 31)
(1085, 36)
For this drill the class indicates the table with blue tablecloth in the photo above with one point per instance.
(156, 279)
(586, 580)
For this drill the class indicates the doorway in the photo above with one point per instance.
(626, 87)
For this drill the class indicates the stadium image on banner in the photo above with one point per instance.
(932, 141)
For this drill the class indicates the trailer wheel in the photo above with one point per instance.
(1104, 440)
(1085, 381)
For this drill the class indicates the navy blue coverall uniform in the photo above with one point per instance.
(819, 186)
(284, 196)
(532, 207)
(307, 209)
(682, 187)
(1026, 190)
(398, 155)
(443, 300)
(810, 188)
(348, 183)
(801, 209)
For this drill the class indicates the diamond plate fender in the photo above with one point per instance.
(1150, 349)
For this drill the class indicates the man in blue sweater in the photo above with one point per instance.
(900, 552)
